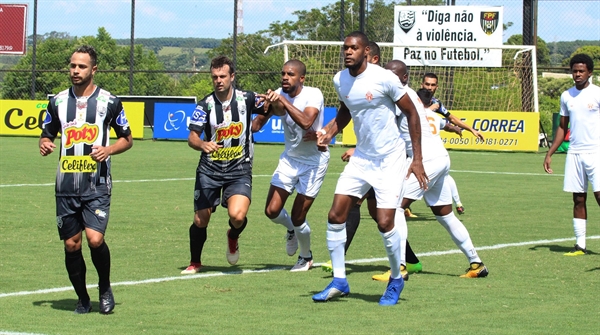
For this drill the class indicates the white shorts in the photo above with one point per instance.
(292, 174)
(386, 176)
(581, 168)
(438, 192)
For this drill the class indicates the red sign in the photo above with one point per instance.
(13, 29)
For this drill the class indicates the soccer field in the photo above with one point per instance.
(518, 217)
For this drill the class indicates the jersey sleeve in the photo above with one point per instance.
(51, 124)
(442, 109)
(394, 87)
(254, 104)
(564, 110)
(199, 117)
(315, 99)
(119, 120)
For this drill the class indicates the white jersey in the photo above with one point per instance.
(583, 109)
(371, 97)
(436, 122)
(295, 146)
(431, 146)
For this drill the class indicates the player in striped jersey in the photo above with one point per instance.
(220, 128)
(84, 114)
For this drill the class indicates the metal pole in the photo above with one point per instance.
(34, 53)
(342, 20)
(361, 14)
(235, 16)
(131, 47)
(528, 39)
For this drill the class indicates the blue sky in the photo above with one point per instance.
(558, 20)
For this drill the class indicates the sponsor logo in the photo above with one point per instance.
(101, 110)
(175, 121)
(233, 131)
(77, 164)
(489, 22)
(122, 119)
(199, 115)
(100, 213)
(257, 102)
(406, 20)
(47, 119)
(82, 102)
(369, 96)
(226, 154)
(59, 221)
(87, 133)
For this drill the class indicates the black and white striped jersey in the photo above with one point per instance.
(227, 123)
(82, 123)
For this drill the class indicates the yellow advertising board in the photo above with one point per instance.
(503, 131)
(25, 117)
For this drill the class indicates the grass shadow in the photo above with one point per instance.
(557, 248)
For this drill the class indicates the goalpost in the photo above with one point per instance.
(511, 87)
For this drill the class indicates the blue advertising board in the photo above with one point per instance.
(171, 120)
(272, 132)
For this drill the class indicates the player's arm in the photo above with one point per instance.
(559, 137)
(449, 127)
(329, 131)
(304, 118)
(407, 107)
(439, 108)
(197, 124)
(50, 129)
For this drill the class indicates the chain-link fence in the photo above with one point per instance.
(159, 65)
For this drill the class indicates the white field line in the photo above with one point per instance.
(280, 268)
(268, 175)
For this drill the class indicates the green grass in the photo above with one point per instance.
(532, 288)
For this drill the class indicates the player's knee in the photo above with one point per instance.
(336, 217)
(271, 212)
(95, 241)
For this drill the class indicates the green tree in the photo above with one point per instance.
(113, 62)
(590, 50)
(543, 53)
(254, 70)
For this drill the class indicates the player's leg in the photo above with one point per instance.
(95, 215)
(576, 181)
(69, 223)
(460, 209)
(236, 197)
(206, 197)
(283, 182)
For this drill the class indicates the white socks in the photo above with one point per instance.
(391, 241)
(579, 228)
(303, 236)
(336, 240)
(284, 219)
(400, 225)
(460, 236)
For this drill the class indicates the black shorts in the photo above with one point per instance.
(208, 188)
(74, 214)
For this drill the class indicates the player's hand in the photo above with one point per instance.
(100, 153)
(323, 139)
(416, 168)
(434, 107)
(47, 148)
(547, 162)
(478, 134)
(346, 155)
(310, 135)
(210, 147)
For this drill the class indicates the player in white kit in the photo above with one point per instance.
(369, 95)
(438, 195)
(302, 166)
(580, 107)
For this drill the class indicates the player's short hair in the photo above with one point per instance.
(361, 36)
(220, 61)
(425, 95)
(374, 49)
(430, 75)
(582, 59)
(88, 49)
(298, 65)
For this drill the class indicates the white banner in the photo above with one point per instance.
(448, 35)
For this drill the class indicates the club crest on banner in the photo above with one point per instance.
(489, 22)
(406, 20)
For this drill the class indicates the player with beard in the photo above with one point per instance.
(302, 166)
(369, 95)
(84, 114)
